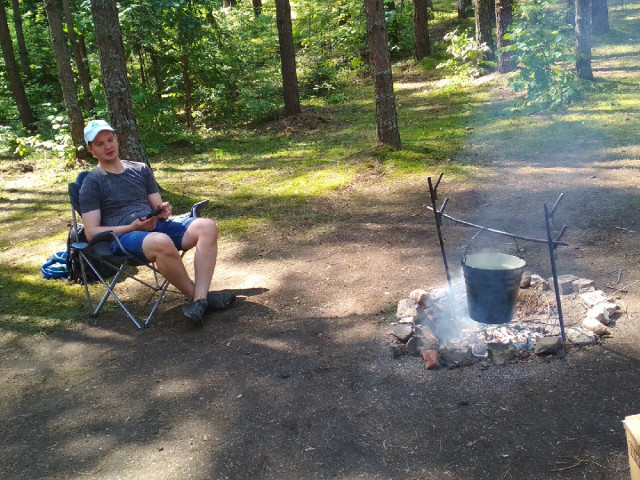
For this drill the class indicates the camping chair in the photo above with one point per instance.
(96, 254)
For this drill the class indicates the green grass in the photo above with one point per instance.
(263, 182)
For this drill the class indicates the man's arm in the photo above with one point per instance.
(155, 201)
(92, 227)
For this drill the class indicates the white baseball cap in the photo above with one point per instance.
(93, 128)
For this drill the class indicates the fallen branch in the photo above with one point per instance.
(580, 462)
(564, 469)
(623, 289)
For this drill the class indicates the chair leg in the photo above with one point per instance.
(86, 283)
(109, 291)
(110, 287)
(163, 290)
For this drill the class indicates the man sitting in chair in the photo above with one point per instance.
(121, 196)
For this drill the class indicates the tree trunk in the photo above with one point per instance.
(287, 58)
(229, 3)
(81, 61)
(583, 39)
(571, 12)
(257, 8)
(484, 32)
(504, 18)
(22, 46)
(387, 130)
(65, 75)
(141, 63)
(463, 7)
(421, 28)
(13, 73)
(599, 17)
(155, 72)
(186, 84)
(117, 90)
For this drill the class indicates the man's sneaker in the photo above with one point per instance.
(220, 300)
(194, 310)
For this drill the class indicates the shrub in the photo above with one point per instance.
(467, 57)
(543, 46)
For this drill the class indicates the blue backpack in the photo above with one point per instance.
(55, 267)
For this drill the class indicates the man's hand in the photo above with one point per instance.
(144, 224)
(166, 211)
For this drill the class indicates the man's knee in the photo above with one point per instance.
(202, 229)
(158, 245)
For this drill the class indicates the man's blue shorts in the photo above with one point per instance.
(132, 242)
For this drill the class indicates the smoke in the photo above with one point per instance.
(450, 312)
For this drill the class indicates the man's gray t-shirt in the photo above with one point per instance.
(121, 198)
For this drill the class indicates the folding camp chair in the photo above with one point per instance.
(96, 254)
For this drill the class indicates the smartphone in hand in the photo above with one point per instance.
(155, 212)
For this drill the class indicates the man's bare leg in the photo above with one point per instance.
(159, 248)
(203, 233)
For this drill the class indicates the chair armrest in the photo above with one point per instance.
(100, 245)
(197, 208)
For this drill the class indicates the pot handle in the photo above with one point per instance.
(480, 230)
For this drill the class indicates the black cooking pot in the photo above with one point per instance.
(492, 281)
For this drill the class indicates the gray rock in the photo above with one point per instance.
(419, 296)
(579, 337)
(582, 285)
(596, 313)
(538, 283)
(407, 320)
(413, 346)
(426, 338)
(501, 353)
(602, 312)
(548, 345)
(403, 331)
(594, 325)
(525, 281)
(565, 283)
(591, 299)
(456, 354)
(407, 308)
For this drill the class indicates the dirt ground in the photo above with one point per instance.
(296, 381)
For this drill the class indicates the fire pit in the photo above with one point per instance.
(492, 283)
(436, 324)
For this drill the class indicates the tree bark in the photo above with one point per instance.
(155, 72)
(583, 39)
(82, 64)
(463, 7)
(599, 17)
(484, 32)
(421, 28)
(187, 85)
(571, 12)
(387, 130)
(13, 73)
(22, 46)
(257, 8)
(65, 75)
(287, 58)
(504, 18)
(117, 90)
